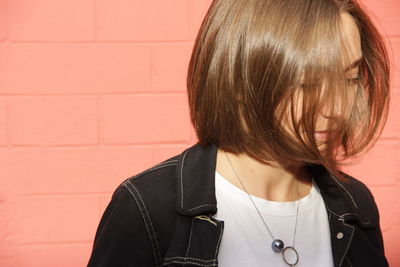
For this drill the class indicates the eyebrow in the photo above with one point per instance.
(354, 64)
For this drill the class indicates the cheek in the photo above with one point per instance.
(296, 103)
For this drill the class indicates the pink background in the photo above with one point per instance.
(92, 92)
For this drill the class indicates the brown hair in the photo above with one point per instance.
(253, 58)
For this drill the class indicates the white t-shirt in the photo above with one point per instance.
(247, 242)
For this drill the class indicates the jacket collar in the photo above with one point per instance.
(195, 174)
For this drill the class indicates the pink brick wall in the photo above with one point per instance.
(77, 78)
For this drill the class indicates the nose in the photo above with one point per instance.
(338, 111)
(324, 111)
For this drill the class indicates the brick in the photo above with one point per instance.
(3, 29)
(380, 166)
(136, 20)
(49, 20)
(53, 120)
(39, 255)
(193, 136)
(394, 53)
(136, 119)
(43, 219)
(197, 11)
(384, 15)
(169, 66)
(3, 121)
(389, 210)
(389, 206)
(69, 170)
(104, 201)
(392, 247)
(392, 127)
(74, 69)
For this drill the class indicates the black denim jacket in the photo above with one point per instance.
(164, 217)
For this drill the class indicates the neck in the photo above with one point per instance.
(272, 182)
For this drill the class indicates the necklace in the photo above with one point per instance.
(289, 254)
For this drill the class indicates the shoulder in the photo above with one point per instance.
(152, 187)
(140, 217)
(361, 197)
(369, 233)
(153, 176)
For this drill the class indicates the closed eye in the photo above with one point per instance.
(353, 80)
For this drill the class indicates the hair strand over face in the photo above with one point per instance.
(256, 63)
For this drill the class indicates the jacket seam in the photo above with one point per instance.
(219, 241)
(200, 206)
(351, 197)
(344, 188)
(191, 258)
(347, 258)
(190, 262)
(351, 236)
(190, 239)
(345, 214)
(183, 160)
(155, 167)
(348, 245)
(155, 248)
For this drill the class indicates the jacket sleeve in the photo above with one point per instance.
(376, 235)
(378, 231)
(121, 238)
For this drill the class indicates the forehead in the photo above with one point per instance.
(352, 40)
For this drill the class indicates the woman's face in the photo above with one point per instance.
(353, 44)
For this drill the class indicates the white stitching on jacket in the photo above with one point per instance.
(348, 245)
(198, 259)
(219, 241)
(144, 219)
(344, 188)
(149, 218)
(341, 216)
(195, 263)
(205, 218)
(190, 238)
(183, 159)
(148, 215)
(156, 167)
(202, 206)
(349, 262)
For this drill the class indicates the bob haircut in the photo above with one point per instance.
(251, 61)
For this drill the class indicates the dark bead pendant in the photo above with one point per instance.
(277, 245)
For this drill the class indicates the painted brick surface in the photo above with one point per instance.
(169, 66)
(3, 121)
(395, 51)
(48, 20)
(148, 116)
(93, 92)
(48, 120)
(385, 14)
(74, 68)
(70, 169)
(136, 20)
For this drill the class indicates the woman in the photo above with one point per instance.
(281, 93)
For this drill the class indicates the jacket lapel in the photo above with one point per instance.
(343, 212)
(198, 235)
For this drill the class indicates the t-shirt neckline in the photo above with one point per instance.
(268, 207)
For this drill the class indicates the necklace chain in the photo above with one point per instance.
(297, 206)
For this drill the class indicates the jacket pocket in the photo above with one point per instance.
(195, 242)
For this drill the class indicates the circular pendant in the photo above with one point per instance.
(290, 256)
(277, 245)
